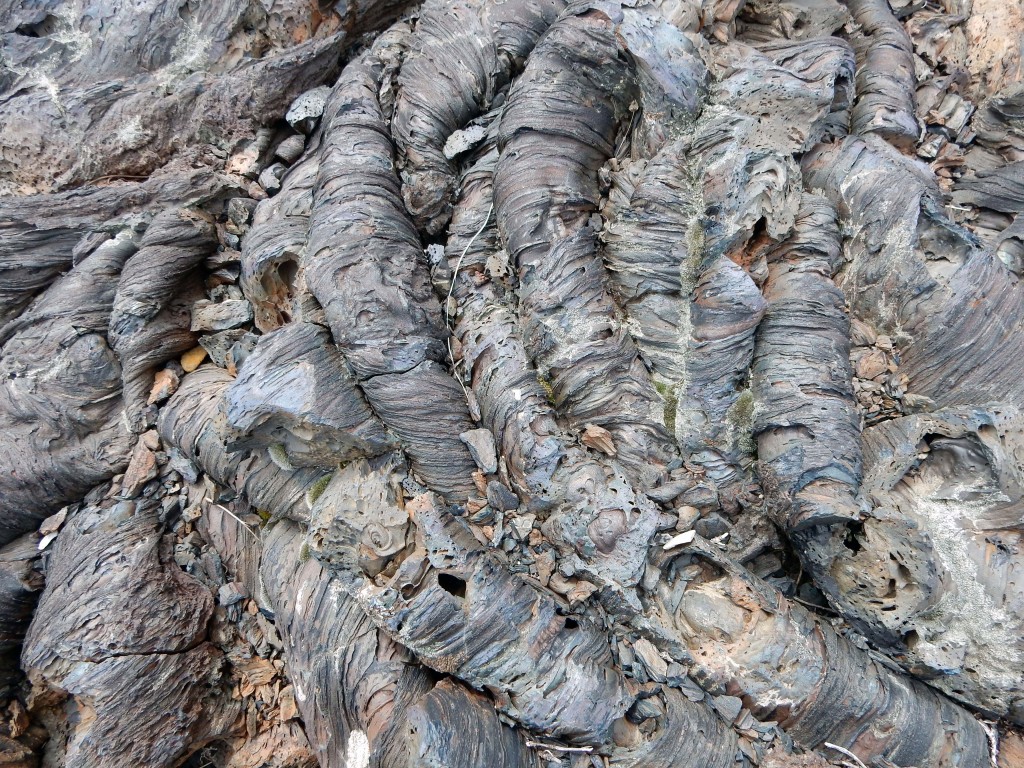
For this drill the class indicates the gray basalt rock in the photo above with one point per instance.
(527, 383)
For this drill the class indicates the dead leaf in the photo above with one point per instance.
(598, 438)
(289, 710)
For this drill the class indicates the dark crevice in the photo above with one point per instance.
(453, 585)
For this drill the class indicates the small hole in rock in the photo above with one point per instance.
(43, 28)
(288, 271)
(851, 541)
(453, 585)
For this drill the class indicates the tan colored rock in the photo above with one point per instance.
(192, 359)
